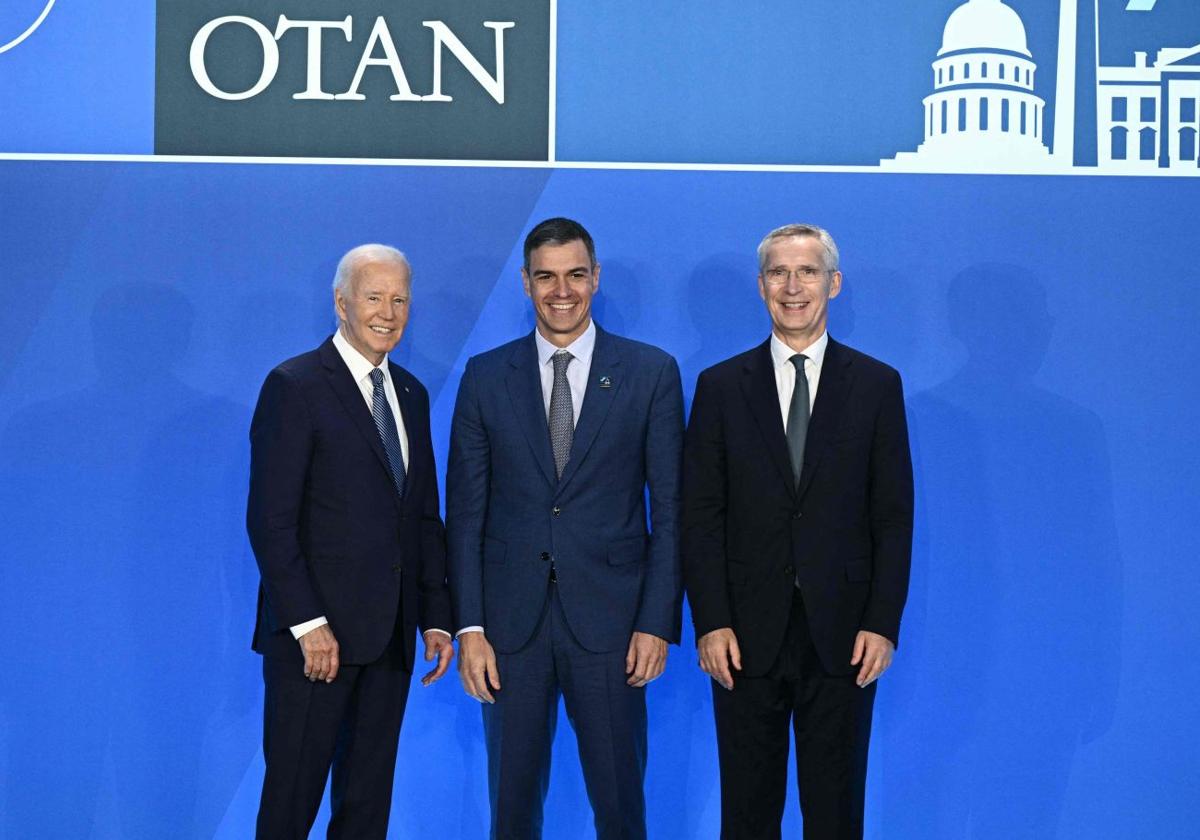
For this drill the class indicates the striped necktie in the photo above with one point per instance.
(385, 424)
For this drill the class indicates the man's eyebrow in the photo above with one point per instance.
(540, 271)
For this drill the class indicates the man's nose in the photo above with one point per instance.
(562, 287)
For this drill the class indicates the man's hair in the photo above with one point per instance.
(828, 246)
(558, 231)
(370, 253)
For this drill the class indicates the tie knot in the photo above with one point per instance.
(561, 359)
(377, 377)
(798, 361)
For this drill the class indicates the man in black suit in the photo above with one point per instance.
(344, 520)
(797, 536)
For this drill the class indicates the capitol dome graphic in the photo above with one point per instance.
(983, 114)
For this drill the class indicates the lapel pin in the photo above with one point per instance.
(406, 389)
(605, 382)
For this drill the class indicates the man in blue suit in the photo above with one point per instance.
(558, 586)
(344, 519)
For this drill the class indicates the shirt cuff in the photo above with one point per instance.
(299, 630)
(474, 628)
(445, 633)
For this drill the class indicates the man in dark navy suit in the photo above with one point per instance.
(344, 520)
(797, 536)
(558, 587)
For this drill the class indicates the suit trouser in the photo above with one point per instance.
(608, 716)
(351, 724)
(831, 718)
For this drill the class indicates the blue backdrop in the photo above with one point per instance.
(1044, 325)
(1046, 333)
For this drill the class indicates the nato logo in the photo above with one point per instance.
(20, 19)
(424, 79)
(1112, 113)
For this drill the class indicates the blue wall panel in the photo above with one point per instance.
(1045, 328)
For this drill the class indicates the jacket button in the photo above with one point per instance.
(557, 510)
(545, 556)
(797, 515)
(789, 571)
(397, 568)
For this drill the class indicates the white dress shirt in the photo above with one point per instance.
(785, 371)
(360, 368)
(577, 371)
(577, 377)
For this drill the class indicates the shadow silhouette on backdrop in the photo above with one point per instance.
(1016, 599)
(127, 548)
(725, 311)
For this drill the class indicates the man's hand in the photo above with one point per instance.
(477, 666)
(718, 650)
(440, 645)
(320, 654)
(646, 659)
(875, 654)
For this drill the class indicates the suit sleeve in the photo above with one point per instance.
(281, 440)
(468, 476)
(662, 597)
(433, 595)
(891, 515)
(704, 509)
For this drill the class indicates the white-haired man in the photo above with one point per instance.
(797, 535)
(344, 520)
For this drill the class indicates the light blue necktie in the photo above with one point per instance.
(385, 424)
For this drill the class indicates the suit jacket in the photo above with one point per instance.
(845, 533)
(330, 533)
(507, 515)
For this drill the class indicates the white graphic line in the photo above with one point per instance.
(573, 164)
(32, 28)
(551, 130)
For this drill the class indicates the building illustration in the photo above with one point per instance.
(984, 114)
(1147, 113)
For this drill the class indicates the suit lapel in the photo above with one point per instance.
(758, 385)
(832, 390)
(597, 399)
(341, 381)
(415, 457)
(525, 391)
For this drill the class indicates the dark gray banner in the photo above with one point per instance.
(434, 79)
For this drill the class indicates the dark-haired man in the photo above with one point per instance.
(557, 586)
(797, 534)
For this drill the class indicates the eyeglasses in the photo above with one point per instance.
(778, 276)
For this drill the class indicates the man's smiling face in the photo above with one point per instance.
(374, 308)
(561, 280)
(796, 286)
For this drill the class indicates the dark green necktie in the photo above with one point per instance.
(797, 423)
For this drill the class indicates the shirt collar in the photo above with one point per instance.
(781, 354)
(360, 368)
(581, 348)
